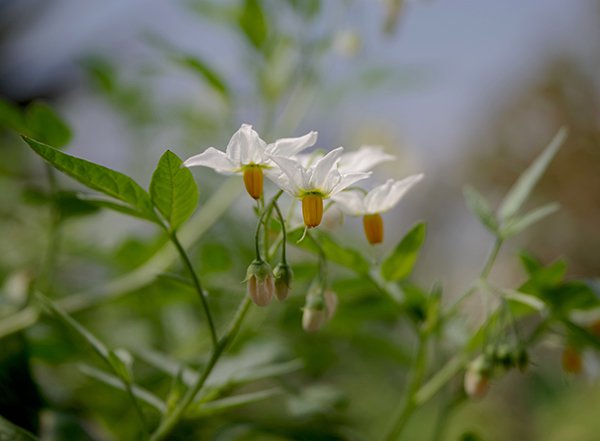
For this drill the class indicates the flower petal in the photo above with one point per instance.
(290, 146)
(347, 180)
(324, 170)
(386, 196)
(351, 202)
(245, 147)
(212, 158)
(364, 159)
(294, 179)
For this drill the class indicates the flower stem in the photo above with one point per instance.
(266, 211)
(409, 404)
(169, 423)
(197, 285)
(283, 232)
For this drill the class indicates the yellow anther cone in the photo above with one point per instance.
(373, 225)
(253, 179)
(312, 210)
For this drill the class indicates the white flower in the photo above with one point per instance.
(248, 154)
(315, 182)
(377, 201)
(364, 159)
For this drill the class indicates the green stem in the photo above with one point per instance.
(260, 223)
(138, 409)
(410, 404)
(197, 285)
(283, 232)
(49, 263)
(169, 423)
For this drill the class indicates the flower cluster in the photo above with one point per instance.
(312, 179)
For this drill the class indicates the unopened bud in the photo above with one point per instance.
(259, 279)
(283, 280)
(477, 377)
(319, 309)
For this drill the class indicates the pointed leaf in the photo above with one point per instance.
(70, 322)
(253, 23)
(400, 263)
(480, 208)
(521, 189)
(520, 223)
(113, 381)
(205, 72)
(97, 177)
(45, 125)
(229, 403)
(173, 190)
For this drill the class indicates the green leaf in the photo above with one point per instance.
(230, 403)
(102, 202)
(521, 189)
(173, 190)
(113, 381)
(98, 177)
(46, 126)
(11, 117)
(253, 23)
(205, 72)
(346, 257)
(67, 320)
(518, 224)
(121, 361)
(10, 432)
(398, 265)
(479, 206)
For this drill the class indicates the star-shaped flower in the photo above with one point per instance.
(370, 205)
(249, 155)
(315, 182)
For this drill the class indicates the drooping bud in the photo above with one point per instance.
(477, 377)
(319, 309)
(312, 209)
(373, 226)
(253, 180)
(283, 280)
(259, 279)
(571, 360)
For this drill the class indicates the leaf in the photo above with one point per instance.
(479, 206)
(70, 322)
(205, 72)
(527, 300)
(98, 177)
(346, 257)
(102, 202)
(46, 126)
(113, 381)
(518, 224)
(173, 190)
(400, 263)
(10, 432)
(521, 189)
(121, 361)
(253, 23)
(233, 402)
(11, 117)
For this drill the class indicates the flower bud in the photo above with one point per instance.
(477, 377)
(571, 360)
(319, 309)
(283, 280)
(259, 279)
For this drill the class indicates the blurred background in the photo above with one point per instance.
(468, 92)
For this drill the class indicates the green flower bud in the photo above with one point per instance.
(319, 309)
(283, 280)
(259, 279)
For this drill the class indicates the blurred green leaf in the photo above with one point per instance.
(316, 399)
(481, 208)
(518, 224)
(400, 263)
(346, 257)
(173, 190)
(46, 126)
(98, 177)
(230, 403)
(205, 72)
(253, 23)
(521, 189)
(102, 202)
(121, 360)
(531, 303)
(67, 203)
(71, 323)
(11, 117)
(10, 432)
(214, 257)
(113, 381)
